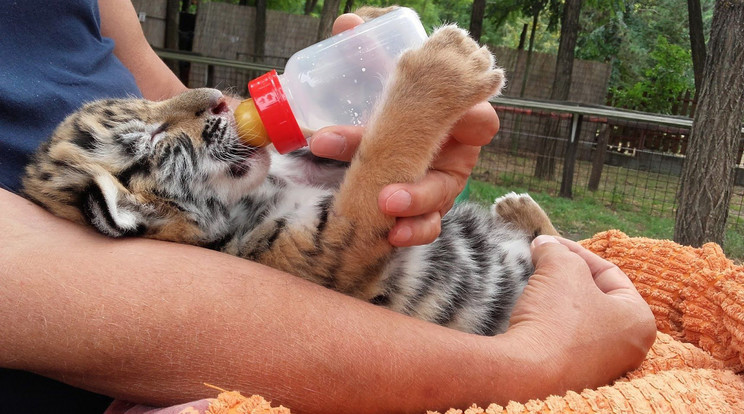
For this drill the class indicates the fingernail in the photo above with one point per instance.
(398, 202)
(328, 144)
(402, 234)
(543, 239)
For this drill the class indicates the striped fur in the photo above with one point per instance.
(176, 170)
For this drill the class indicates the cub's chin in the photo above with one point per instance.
(239, 177)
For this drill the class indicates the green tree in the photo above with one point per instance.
(534, 8)
(626, 37)
(545, 165)
(669, 76)
(310, 6)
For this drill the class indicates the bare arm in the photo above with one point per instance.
(151, 321)
(119, 22)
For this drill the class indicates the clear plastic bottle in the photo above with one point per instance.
(334, 82)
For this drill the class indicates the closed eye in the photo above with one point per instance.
(162, 128)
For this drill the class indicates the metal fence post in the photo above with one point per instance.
(598, 160)
(569, 160)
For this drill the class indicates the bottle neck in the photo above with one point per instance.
(275, 112)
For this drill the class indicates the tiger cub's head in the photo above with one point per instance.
(167, 170)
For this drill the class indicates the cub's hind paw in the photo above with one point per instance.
(522, 211)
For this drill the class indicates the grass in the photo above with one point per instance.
(583, 216)
(624, 189)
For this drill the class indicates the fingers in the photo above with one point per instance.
(346, 22)
(436, 192)
(421, 205)
(456, 159)
(417, 207)
(416, 231)
(608, 277)
(478, 126)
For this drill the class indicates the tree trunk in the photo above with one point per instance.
(697, 41)
(566, 48)
(523, 36)
(545, 165)
(310, 6)
(349, 6)
(709, 169)
(259, 34)
(329, 14)
(598, 160)
(527, 64)
(476, 19)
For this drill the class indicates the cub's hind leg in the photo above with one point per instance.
(522, 211)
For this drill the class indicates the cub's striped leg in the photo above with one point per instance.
(432, 87)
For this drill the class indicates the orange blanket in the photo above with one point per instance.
(695, 366)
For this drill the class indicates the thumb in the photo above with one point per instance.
(345, 22)
(547, 249)
(338, 142)
(557, 262)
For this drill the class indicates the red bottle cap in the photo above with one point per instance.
(275, 113)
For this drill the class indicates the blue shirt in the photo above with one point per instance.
(53, 59)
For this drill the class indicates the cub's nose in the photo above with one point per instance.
(199, 101)
(220, 107)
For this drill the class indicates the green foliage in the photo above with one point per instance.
(628, 39)
(669, 75)
(646, 71)
(505, 19)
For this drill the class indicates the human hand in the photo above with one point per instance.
(580, 317)
(418, 207)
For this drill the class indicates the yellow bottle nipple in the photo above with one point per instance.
(250, 128)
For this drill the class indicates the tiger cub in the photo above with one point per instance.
(175, 170)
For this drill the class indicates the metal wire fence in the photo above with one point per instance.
(625, 160)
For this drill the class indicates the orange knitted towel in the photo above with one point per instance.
(695, 365)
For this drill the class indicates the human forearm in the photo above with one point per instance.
(154, 79)
(151, 321)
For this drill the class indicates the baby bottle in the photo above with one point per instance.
(334, 82)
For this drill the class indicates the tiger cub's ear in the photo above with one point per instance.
(112, 209)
